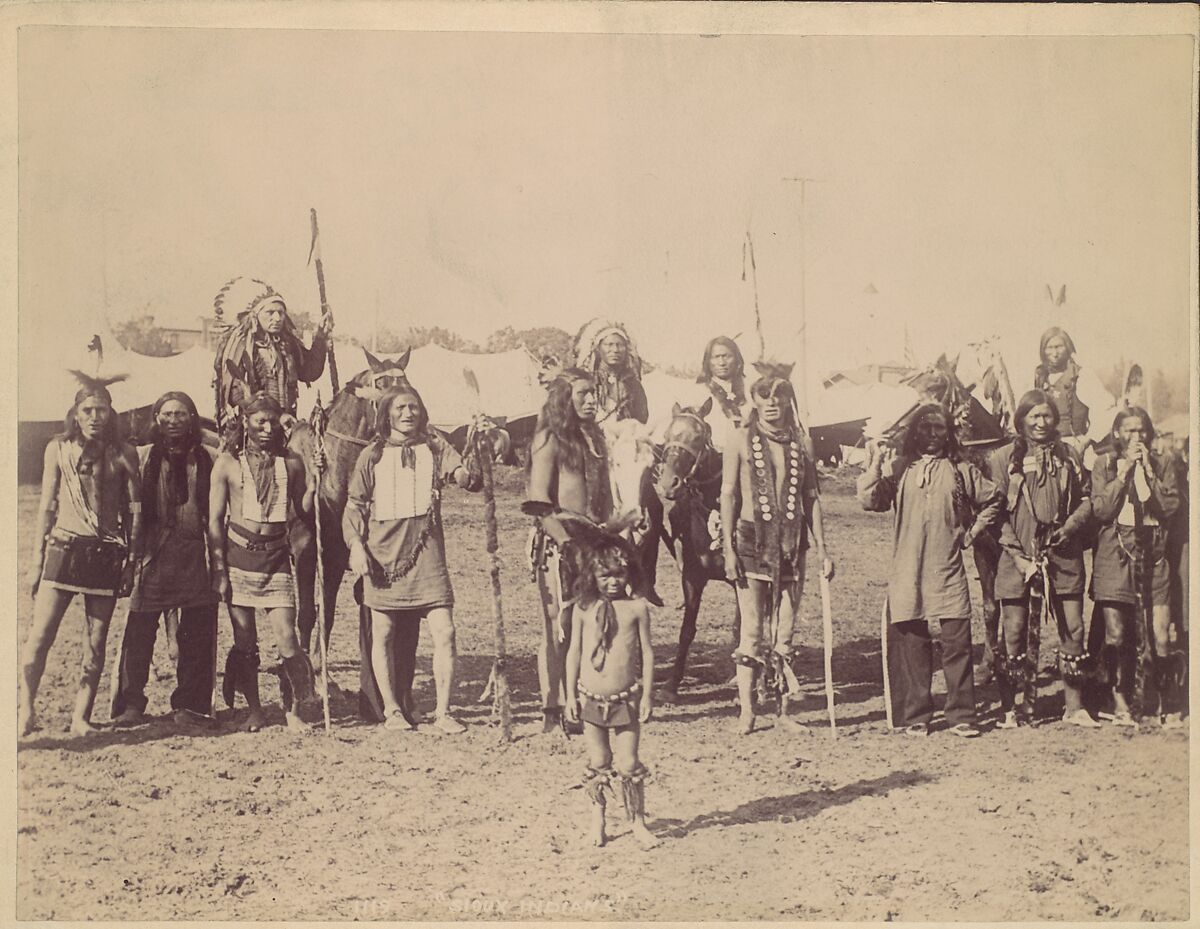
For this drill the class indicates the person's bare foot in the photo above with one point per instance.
(81, 727)
(645, 837)
(1172, 721)
(785, 723)
(295, 723)
(27, 723)
(666, 695)
(745, 724)
(446, 723)
(551, 720)
(253, 722)
(1081, 718)
(1009, 721)
(131, 717)
(397, 723)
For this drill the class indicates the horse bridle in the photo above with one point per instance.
(706, 429)
(354, 440)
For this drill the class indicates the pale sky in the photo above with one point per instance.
(480, 180)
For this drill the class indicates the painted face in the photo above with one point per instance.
(722, 362)
(772, 400)
(270, 317)
(1056, 351)
(261, 426)
(611, 581)
(583, 398)
(92, 415)
(1039, 425)
(614, 350)
(932, 433)
(1132, 432)
(174, 420)
(405, 415)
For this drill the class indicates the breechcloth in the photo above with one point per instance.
(260, 568)
(612, 711)
(83, 564)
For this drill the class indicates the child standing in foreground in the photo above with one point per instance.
(610, 664)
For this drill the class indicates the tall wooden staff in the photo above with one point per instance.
(479, 440)
(317, 422)
(314, 257)
(827, 635)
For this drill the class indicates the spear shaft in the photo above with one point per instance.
(314, 255)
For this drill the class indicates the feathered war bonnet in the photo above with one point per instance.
(243, 297)
(587, 345)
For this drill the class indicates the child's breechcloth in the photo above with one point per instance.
(611, 711)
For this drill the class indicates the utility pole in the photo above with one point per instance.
(802, 331)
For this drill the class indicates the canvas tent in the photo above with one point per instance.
(508, 383)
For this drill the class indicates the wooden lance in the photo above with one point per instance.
(317, 422)
(314, 258)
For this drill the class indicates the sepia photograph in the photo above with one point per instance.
(616, 462)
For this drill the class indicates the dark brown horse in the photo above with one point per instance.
(690, 477)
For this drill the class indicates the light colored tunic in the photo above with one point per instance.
(927, 579)
(395, 512)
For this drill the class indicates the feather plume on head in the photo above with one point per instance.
(95, 386)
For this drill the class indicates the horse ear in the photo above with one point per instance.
(402, 361)
(372, 362)
(676, 409)
(705, 408)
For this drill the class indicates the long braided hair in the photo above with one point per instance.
(191, 449)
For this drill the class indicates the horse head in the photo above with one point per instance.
(687, 438)
(938, 383)
(631, 456)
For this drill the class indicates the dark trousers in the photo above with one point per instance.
(194, 670)
(910, 667)
(986, 553)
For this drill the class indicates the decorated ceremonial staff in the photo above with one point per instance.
(480, 442)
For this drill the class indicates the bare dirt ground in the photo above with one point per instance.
(1042, 823)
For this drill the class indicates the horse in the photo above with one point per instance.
(632, 457)
(349, 429)
(690, 478)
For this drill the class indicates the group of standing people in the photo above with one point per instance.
(1029, 511)
(181, 529)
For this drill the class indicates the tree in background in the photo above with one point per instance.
(142, 336)
(541, 342)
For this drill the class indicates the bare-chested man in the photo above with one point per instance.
(769, 501)
(253, 483)
(88, 540)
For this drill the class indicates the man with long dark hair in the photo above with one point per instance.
(1048, 503)
(255, 483)
(393, 528)
(942, 504)
(568, 470)
(1082, 403)
(87, 542)
(1134, 498)
(173, 571)
(723, 374)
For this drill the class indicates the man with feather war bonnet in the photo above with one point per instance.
(769, 503)
(88, 540)
(265, 347)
